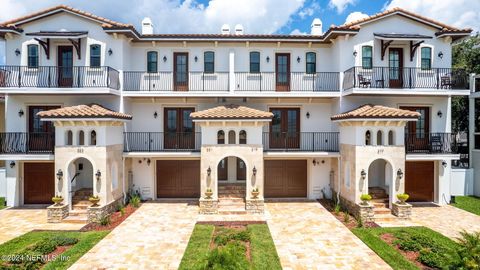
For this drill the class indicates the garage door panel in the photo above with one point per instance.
(285, 178)
(39, 183)
(178, 178)
(419, 180)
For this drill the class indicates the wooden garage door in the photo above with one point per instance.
(178, 178)
(419, 180)
(285, 178)
(39, 183)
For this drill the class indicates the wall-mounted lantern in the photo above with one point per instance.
(440, 54)
(444, 163)
(400, 174)
(354, 53)
(254, 171)
(20, 113)
(110, 52)
(298, 59)
(148, 162)
(439, 114)
(59, 175)
(155, 115)
(363, 174)
(164, 58)
(98, 174)
(315, 162)
(196, 58)
(12, 164)
(308, 115)
(209, 171)
(268, 59)
(17, 52)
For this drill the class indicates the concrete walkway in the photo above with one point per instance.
(307, 236)
(17, 221)
(154, 237)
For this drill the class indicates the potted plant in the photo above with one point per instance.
(94, 200)
(57, 200)
(403, 197)
(208, 193)
(255, 193)
(365, 198)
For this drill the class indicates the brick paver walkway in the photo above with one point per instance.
(308, 237)
(15, 222)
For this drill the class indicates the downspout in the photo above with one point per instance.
(339, 178)
(123, 180)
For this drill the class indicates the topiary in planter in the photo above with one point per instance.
(365, 198)
(403, 197)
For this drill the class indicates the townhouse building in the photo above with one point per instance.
(97, 107)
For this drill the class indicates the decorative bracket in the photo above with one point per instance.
(45, 45)
(77, 44)
(413, 48)
(385, 45)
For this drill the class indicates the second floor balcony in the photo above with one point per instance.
(14, 143)
(59, 77)
(432, 143)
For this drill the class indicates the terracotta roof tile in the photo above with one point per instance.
(231, 112)
(375, 112)
(83, 111)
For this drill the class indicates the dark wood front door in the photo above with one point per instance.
(41, 134)
(179, 129)
(241, 170)
(222, 170)
(180, 71)
(178, 178)
(282, 71)
(285, 178)
(285, 128)
(395, 64)
(39, 183)
(419, 180)
(417, 133)
(65, 66)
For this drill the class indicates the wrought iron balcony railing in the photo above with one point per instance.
(431, 143)
(288, 82)
(27, 143)
(161, 141)
(301, 141)
(171, 81)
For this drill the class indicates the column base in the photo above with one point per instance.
(208, 206)
(255, 206)
(56, 213)
(402, 211)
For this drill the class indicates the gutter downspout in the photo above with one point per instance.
(123, 180)
(339, 178)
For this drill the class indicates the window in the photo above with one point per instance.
(426, 54)
(242, 137)
(221, 137)
(368, 138)
(81, 138)
(209, 62)
(231, 137)
(95, 55)
(93, 137)
(254, 62)
(379, 137)
(152, 62)
(311, 63)
(69, 138)
(391, 138)
(32, 56)
(367, 61)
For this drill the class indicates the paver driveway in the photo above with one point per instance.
(154, 237)
(308, 237)
(15, 222)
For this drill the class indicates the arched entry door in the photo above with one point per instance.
(232, 169)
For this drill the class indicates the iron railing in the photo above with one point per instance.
(294, 82)
(27, 143)
(301, 141)
(170, 81)
(161, 141)
(431, 143)
(385, 77)
(59, 77)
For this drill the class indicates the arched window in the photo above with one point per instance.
(221, 137)
(231, 137)
(368, 138)
(81, 138)
(69, 136)
(242, 137)
(93, 137)
(391, 138)
(379, 137)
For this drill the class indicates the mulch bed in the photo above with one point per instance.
(412, 256)
(116, 219)
(351, 223)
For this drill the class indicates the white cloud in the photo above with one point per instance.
(297, 32)
(458, 13)
(341, 5)
(355, 16)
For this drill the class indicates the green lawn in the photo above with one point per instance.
(229, 252)
(433, 247)
(23, 245)
(2, 203)
(468, 203)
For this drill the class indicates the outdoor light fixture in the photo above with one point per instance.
(155, 115)
(315, 162)
(400, 173)
(439, 114)
(444, 163)
(110, 52)
(440, 54)
(268, 59)
(17, 52)
(148, 162)
(59, 175)
(298, 59)
(354, 53)
(196, 58)
(12, 164)
(363, 174)
(164, 58)
(254, 171)
(98, 174)
(20, 113)
(308, 115)
(209, 171)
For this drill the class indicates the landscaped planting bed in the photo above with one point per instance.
(47, 249)
(230, 246)
(112, 221)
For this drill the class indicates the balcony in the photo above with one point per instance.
(292, 82)
(26, 143)
(59, 77)
(431, 143)
(170, 81)
(406, 78)
(162, 142)
(301, 141)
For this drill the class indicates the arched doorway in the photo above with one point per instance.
(80, 180)
(232, 169)
(380, 181)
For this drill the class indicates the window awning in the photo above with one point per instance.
(393, 36)
(59, 34)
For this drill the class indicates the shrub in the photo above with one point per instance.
(135, 201)
(229, 257)
(105, 220)
(337, 209)
(226, 235)
(346, 217)
(467, 256)
(122, 211)
(365, 198)
(431, 259)
(359, 223)
(44, 247)
(61, 240)
(403, 197)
